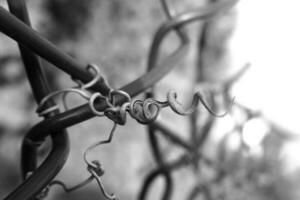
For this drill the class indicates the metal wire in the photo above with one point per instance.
(60, 141)
(152, 127)
(114, 106)
(81, 113)
(143, 111)
(32, 40)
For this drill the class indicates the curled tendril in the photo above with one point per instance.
(47, 111)
(43, 102)
(146, 111)
(114, 93)
(95, 174)
(93, 146)
(67, 189)
(71, 189)
(92, 100)
(114, 112)
(143, 111)
(94, 69)
(95, 167)
(81, 90)
(178, 108)
(117, 114)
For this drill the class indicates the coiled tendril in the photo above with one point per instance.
(94, 167)
(80, 89)
(146, 111)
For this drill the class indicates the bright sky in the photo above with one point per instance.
(268, 36)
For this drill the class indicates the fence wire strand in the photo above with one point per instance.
(102, 100)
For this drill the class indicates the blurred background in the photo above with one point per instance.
(251, 152)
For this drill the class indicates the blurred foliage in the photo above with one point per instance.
(10, 72)
(238, 175)
(69, 18)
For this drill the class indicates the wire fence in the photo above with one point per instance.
(117, 105)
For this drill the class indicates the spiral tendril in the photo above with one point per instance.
(178, 108)
(67, 189)
(98, 179)
(102, 142)
(80, 89)
(146, 111)
(94, 167)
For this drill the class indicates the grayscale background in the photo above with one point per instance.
(116, 35)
